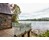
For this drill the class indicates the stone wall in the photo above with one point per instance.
(5, 21)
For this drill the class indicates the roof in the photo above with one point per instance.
(5, 8)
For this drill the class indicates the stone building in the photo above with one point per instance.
(5, 16)
(6, 13)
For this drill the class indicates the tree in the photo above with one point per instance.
(16, 11)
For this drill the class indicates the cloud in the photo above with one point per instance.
(34, 11)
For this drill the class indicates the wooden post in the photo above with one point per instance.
(15, 36)
(23, 35)
(28, 33)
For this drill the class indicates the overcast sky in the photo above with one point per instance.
(34, 10)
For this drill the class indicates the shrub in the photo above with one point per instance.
(46, 34)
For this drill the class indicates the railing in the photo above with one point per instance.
(21, 27)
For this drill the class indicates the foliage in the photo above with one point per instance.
(16, 11)
(46, 34)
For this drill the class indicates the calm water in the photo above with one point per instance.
(38, 25)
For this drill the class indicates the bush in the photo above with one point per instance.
(46, 34)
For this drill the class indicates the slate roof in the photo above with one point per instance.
(5, 8)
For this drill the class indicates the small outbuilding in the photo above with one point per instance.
(5, 16)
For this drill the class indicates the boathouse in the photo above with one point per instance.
(5, 16)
